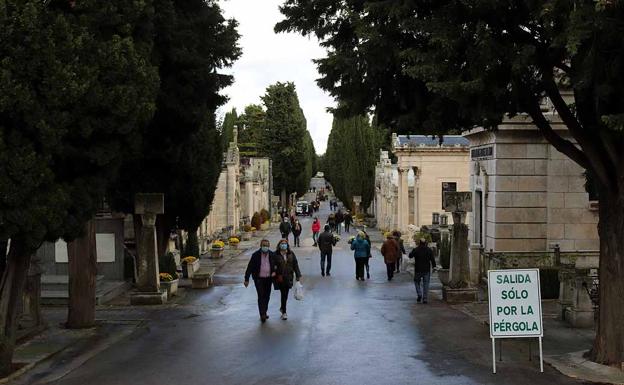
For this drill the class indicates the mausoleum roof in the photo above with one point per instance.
(428, 141)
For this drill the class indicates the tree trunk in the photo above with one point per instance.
(608, 346)
(283, 198)
(11, 288)
(82, 268)
(3, 255)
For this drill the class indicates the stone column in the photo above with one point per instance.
(148, 206)
(403, 205)
(416, 196)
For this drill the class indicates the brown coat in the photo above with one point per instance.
(390, 250)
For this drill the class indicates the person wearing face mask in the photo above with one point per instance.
(287, 267)
(296, 230)
(262, 267)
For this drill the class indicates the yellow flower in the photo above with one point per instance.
(166, 277)
(234, 240)
(189, 259)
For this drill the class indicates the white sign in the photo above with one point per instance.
(515, 307)
(105, 247)
(515, 303)
(60, 251)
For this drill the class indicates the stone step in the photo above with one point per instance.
(105, 291)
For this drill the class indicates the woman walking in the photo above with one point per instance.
(361, 251)
(316, 229)
(297, 232)
(288, 266)
(367, 262)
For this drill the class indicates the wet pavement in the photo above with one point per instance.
(343, 332)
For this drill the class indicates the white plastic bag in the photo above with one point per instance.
(298, 291)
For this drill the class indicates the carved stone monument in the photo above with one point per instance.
(459, 288)
(148, 206)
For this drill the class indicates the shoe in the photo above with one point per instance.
(322, 273)
(266, 316)
(368, 275)
(419, 299)
(284, 316)
(425, 301)
(328, 274)
(263, 318)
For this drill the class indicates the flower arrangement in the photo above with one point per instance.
(188, 260)
(351, 239)
(234, 240)
(166, 277)
(247, 228)
(336, 237)
(218, 245)
(253, 228)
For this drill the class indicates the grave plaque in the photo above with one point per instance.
(457, 201)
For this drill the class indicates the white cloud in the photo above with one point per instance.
(268, 58)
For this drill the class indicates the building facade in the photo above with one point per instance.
(527, 196)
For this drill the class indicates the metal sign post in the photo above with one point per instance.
(515, 307)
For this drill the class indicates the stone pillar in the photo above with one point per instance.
(474, 263)
(403, 205)
(148, 206)
(460, 266)
(416, 197)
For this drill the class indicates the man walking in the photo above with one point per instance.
(348, 219)
(285, 228)
(326, 242)
(339, 220)
(262, 268)
(423, 263)
(390, 251)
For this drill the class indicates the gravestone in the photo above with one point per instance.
(148, 206)
(459, 288)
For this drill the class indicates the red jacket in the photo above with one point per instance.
(316, 226)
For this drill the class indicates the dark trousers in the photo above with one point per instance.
(347, 225)
(398, 264)
(285, 236)
(326, 255)
(296, 241)
(359, 267)
(284, 291)
(390, 270)
(367, 266)
(263, 288)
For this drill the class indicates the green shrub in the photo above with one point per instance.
(256, 220)
(264, 216)
(549, 283)
(422, 234)
(192, 245)
(445, 252)
(167, 264)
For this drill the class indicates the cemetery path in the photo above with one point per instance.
(344, 332)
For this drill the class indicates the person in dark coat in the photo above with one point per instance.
(348, 220)
(397, 236)
(390, 251)
(262, 267)
(288, 267)
(326, 242)
(361, 250)
(296, 230)
(285, 228)
(331, 221)
(367, 262)
(424, 262)
(339, 220)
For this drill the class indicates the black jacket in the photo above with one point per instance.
(253, 267)
(326, 241)
(285, 228)
(423, 259)
(287, 268)
(296, 230)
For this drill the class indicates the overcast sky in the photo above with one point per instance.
(268, 58)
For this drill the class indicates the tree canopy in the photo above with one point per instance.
(430, 67)
(287, 140)
(349, 163)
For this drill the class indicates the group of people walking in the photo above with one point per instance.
(279, 269)
(336, 221)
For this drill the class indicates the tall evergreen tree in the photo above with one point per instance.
(227, 127)
(74, 101)
(286, 134)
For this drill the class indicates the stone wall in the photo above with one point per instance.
(532, 196)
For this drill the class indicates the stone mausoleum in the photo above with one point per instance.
(409, 192)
